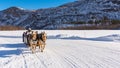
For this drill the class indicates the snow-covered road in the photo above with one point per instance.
(65, 49)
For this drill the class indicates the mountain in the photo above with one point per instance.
(57, 17)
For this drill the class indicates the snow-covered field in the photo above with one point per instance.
(64, 49)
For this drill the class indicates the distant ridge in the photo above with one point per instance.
(82, 11)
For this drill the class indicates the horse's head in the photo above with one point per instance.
(44, 36)
(34, 35)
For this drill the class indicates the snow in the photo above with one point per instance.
(64, 49)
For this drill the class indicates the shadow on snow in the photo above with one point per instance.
(3, 36)
(15, 49)
(109, 38)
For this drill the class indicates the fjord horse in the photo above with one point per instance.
(42, 40)
(33, 41)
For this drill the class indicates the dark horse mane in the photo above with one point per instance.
(39, 36)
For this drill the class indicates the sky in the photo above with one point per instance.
(32, 4)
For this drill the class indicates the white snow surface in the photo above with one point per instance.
(64, 49)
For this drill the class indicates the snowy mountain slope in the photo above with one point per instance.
(64, 49)
(53, 18)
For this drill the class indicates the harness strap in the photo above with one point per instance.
(34, 41)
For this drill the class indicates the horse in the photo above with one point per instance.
(33, 41)
(41, 40)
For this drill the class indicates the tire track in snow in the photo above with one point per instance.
(93, 56)
(66, 58)
(50, 59)
(106, 59)
(101, 57)
(31, 59)
(28, 58)
(25, 63)
(42, 61)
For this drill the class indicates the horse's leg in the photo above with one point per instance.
(41, 48)
(39, 44)
(44, 46)
(31, 47)
(35, 47)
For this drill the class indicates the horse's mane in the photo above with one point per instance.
(39, 36)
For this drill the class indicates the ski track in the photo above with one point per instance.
(61, 53)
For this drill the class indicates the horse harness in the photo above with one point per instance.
(34, 41)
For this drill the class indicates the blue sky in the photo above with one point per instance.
(32, 4)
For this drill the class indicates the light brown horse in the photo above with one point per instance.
(42, 40)
(33, 41)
